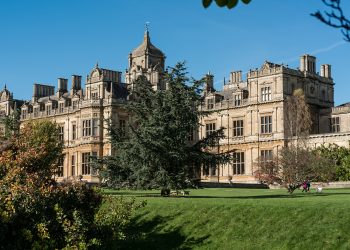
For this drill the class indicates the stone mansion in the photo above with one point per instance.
(251, 110)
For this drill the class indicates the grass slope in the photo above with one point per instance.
(242, 219)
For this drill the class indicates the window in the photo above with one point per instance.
(122, 127)
(48, 110)
(74, 131)
(61, 133)
(238, 128)
(190, 136)
(36, 112)
(266, 124)
(24, 114)
(60, 167)
(95, 123)
(61, 106)
(209, 129)
(85, 166)
(265, 94)
(75, 104)
(210, 103)
(334, 124)
(238, 163)
(237, 99)
(73, 165)
(86, 127)
(265, 156)
(94, 96)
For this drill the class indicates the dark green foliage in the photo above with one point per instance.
(38, 213)
(339, 158)
(224, 3)
(156, 152)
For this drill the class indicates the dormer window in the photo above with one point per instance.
(210, 103)
(237, 100)
(266, 94)
(61, 106)
(94, 96)
(24, 114)
(48, 109)
(36, 112)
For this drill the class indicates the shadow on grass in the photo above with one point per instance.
(155, 233)
(273, 196)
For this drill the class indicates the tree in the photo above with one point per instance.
(224, 3)
(295, 163)
(335, 17)
(339, 158)
(38, 213)
(156, 152)
(293, 166)
(297, 116)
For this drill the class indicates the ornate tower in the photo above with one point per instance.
(146, 60)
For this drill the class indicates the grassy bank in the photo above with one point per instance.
(242, 219)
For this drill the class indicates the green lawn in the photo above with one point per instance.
(242, 219)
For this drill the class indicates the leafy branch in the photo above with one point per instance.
(224, 3)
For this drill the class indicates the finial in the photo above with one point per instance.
(147, 26)
(96, 66)
(224, 80)
(5, 86)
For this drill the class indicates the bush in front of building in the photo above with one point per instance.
(38, 213)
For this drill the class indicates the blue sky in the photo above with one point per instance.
(43, 40)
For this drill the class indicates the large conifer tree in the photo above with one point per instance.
(156, 153)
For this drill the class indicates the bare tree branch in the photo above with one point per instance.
(335, 17)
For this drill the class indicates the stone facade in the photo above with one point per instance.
(251, 111)
(82, 114)
(253, 115)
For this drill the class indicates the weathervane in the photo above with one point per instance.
(147, 26)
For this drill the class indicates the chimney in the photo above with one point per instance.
(308, 63)
(62, 86)
(76, 82)
(326, 71)
(236, 76)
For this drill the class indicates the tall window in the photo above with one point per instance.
(36, 112)
(85, 163)
(61, 107)
(122, 127)
(265, 156)
(238, 128)
(48, 110)
(95, 123)
(238, 163)
(61, 133)
(190, 136)
(334, 124)
(209, 129)
(60, 167)
(210, 103)
(74, 131)
(266, 94)
(237, 99)
(266, 124)
(75, 104)
(73, 165)
(24, 114)
(86, 127)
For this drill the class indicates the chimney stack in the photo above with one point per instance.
(326, 71)
(308, 64)
(62, 86)
(209, 83)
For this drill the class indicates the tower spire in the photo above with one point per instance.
(146, 37)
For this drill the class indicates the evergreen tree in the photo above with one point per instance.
(156, 151)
